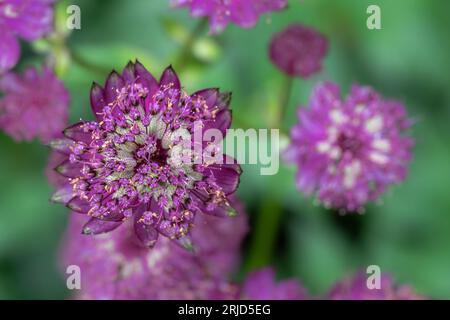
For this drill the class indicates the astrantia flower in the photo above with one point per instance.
(348, 152)
(298, 50)
(116, 266)
(356, 288)
(34, 104)
(262, 285)
(127, 164)
(26, 19)
(244, 13)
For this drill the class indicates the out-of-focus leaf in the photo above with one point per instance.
(206, 50)
(175, 30)
(115, 56)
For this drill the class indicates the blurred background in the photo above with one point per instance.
(407, 234)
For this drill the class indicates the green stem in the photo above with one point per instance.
(285, 95)
(262, 245)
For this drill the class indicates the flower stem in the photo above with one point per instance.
(285, 95)
(262, 246)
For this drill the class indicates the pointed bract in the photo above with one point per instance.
(170, 79)
(98, 101)
(97, 226)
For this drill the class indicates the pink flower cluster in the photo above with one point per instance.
(34, 104)
(244, 13)
(349, 151)
(25, 19)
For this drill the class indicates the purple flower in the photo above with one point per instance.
(348, 152)
(26, 19)
(126, 164)
(34, 105)
(116, 266)
(261, 285)
(298, 50)
(355, 288)
(244, 13)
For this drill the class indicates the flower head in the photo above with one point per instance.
(34, 104)
(27, 19)
(116, 266)
(348, 152)
(135, 160)
(244, 13)
(356, 288)
(261, 285)
(298, 50)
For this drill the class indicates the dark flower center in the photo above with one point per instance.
(349, 143)
(151, 152)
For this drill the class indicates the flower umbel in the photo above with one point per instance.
(34, 104)
(244, 13)
(27, 19)
(125, 163)
(348, 152)
(298, 50)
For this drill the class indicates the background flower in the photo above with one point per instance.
(262, 285)
(116, 266)
(26, 19)
(244, 13)
(355, 288)
(348, 152)
(298, 50)
(34, 104)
